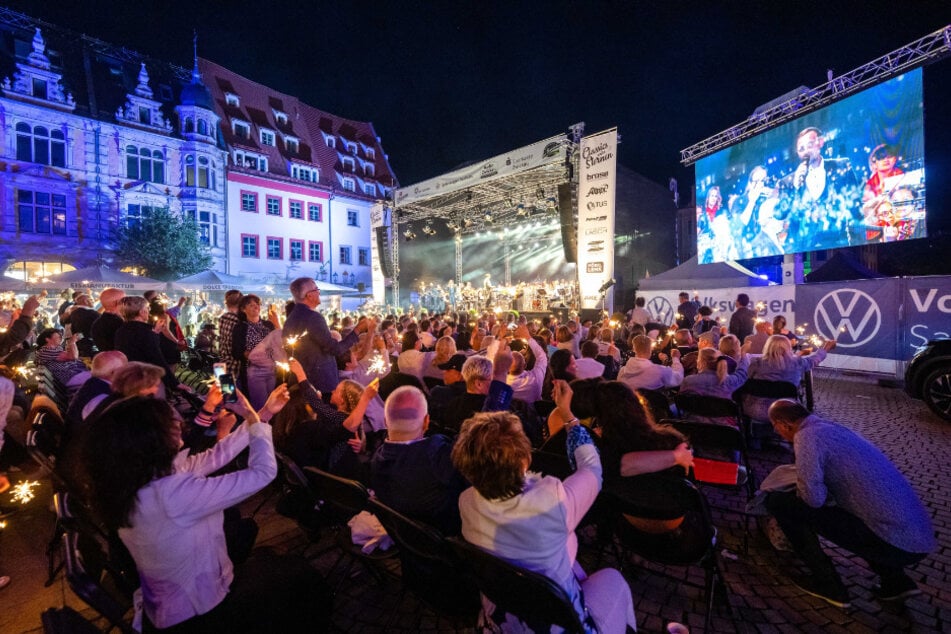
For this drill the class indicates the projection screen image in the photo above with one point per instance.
(850, 173)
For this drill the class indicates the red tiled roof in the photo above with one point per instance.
(306, 123)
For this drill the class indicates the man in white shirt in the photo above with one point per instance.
(639, 314)
(587, 367)
(412, 360)
(641, 372)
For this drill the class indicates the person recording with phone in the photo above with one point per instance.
(820, 200)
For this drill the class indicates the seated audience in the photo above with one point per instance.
(62, 361)
(780, 363)
(104, 329)
(413, 473)
(530, 520)
(139, 341)
(641, 372)
(527, 384)
(562, 366)
(445, 349)
(412, 359)
(588, 367)
(755, 342)
(96, 388)
(169, 514)
(713, 378)
(453, 383)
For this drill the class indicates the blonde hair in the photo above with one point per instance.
(778, 351)
(136, 376)
(350, 394)
(445, 348)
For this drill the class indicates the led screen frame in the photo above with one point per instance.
(848, 174)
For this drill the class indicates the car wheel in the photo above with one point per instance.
(936, 392)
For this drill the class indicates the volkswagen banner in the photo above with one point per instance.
(927, 311)
(861, 315)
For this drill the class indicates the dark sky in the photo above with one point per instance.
(447, 82)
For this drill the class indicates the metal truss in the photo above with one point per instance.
(926, 50)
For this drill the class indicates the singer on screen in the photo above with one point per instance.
(820, 201)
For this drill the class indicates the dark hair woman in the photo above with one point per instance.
(561, 366)
(169, 514)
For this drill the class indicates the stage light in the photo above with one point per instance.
(521, 211)
(488, 216)
(468, 222)
(409, 235)
(428, 230)
(452, 225)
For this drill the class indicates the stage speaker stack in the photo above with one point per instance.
(569, 237)
(383, 247)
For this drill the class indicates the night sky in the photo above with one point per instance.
(445, 83)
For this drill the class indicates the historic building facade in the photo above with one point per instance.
(92, 135)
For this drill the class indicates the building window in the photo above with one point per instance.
(292, 145)
(189, 171)
(295, 209)
(39, 88)
(331, 141)
(267, 138)
(273, 206)
(351, 147)
(371, 153)
(349, 184)
(369, 169)
(143, 164)
(249, 201)
(136, 213)
(249, 246)
(232, 100)
(348, 164)
(41, 145)
(207, 226)
(250, 160)
(189, 125)
(41, 212)
(296, 250)
(314, 212)
(203, 127)
(353, 218)
(315, 251)
(204, 179)
(304, 173)
(275, 248)
(241, 130)
(345, 257)
(363, 256)
(369, 189)
(280, 117)
(145, 115)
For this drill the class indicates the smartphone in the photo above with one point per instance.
(219, 369)
(228, 390)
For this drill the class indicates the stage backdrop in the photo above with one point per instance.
(596, 183)
(878, 324)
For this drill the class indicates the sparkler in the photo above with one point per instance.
(292, 340)
(377, 365)
(22, 492)
(285, 368)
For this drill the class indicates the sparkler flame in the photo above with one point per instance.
(377, 365)
(22, 492)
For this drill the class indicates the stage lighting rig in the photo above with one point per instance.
(428, 230)
(521, 211)
(488, 216)
(453, 226)
(409, 235)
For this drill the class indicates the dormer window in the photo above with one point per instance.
(280, 117)
(292, 144)
(304, 173)
(348, 164)
(253, 161)
(267, 138)
(349, 184)
(351, 147)
(331, 141)
(368, 169)
(371, 153)
(39, 88)
(232, 100)
(241, 129)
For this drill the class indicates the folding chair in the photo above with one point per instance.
(534, 598)
(86, 581)
(429, 568)
(694, 543)
(762, 389)
(655, 402)
(298, 499)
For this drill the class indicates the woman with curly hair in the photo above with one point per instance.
(168, 512)
(531, 520)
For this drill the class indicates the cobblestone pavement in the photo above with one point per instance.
(760, 597)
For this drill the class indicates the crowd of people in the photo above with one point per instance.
(438, 415)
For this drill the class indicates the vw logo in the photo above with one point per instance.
(661, 309)
(849, 316)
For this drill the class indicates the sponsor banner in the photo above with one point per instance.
(379, 217)
(769, 301)
(927, 312)
(861, 315)
(551, 150)
(596, 184)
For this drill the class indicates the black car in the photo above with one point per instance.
(928, 376)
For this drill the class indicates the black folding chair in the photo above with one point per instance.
(534, 598)
(553, 464)
(85, 579)
(711, 409)
(762, 389)
(655, 402)
(429, 568)
(693, 543)
(298, 500)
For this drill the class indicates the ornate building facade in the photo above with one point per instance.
(92, 135)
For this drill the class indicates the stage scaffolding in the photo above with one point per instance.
(926, 50)
(507, 201)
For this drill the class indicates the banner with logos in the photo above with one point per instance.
(379, 217)
(550, 150)
(769, 301)
(926, 308)
(597, 174)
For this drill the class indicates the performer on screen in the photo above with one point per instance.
(820, 201)
(756, 230)
(882, 162)
(714, 234)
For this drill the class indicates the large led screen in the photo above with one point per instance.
(848, 174)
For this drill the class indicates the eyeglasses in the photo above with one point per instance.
(313, 290)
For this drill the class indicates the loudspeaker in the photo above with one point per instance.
(594, 314)
(569, 235)
(383, 248)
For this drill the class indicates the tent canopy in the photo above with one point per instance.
(691, 275)
(210, 281)
(100, 277)
(841, 266)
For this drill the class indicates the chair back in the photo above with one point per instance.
(86, 583)
(397, 379)
(770, 389)
(655, 402)
(421, 540)
(692, 543)
(345, 497)
(299, 501)
(722, 443)
(689, 404)
(532, 597)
